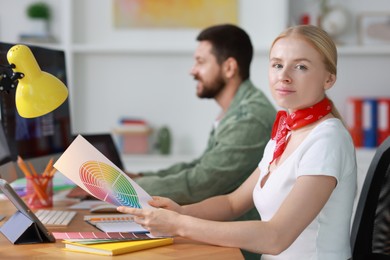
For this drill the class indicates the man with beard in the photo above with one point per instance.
(240, 132)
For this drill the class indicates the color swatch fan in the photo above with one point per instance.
(91, 170)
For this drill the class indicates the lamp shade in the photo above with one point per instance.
(38, 92)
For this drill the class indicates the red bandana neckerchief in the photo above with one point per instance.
(286, 122)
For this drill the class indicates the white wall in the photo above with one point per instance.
(353, 8)
(151, 78)
(154, 84)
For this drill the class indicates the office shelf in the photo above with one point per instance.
(96, 61)
(152, 162)
(186, 49)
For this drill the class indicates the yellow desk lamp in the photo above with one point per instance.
(37, 92)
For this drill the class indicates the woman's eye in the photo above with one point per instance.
(277, 66)
(301, 67)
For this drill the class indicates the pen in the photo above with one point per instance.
(32, 169)
(46, 181)
(52, 172)
(48, 173)
(23, 167)
(49, 167)
(38, 189)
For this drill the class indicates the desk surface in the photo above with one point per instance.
(181, 249)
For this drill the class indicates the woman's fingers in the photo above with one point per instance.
(140, 221)
(165, 203)
(132, 211)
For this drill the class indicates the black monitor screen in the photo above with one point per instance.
(45, 135)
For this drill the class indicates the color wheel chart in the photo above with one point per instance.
(88, 168)
(108, 184)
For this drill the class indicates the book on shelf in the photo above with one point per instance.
(133, 129)
(354, 120)
(134, 135)
(37, 38)
(132, 121)
(129, 125)
(383, 119)
(368, 120)
(115, 248)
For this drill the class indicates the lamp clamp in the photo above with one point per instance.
(9, 80)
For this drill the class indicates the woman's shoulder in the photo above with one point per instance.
(331, 125)
(332, 129)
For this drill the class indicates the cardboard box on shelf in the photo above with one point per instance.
(134, 139)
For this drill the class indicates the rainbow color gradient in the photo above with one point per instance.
(108, 184)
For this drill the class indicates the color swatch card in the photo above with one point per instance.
(92, 171)
(102, 235)
(115, 223)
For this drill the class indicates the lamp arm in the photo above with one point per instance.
(9, 80)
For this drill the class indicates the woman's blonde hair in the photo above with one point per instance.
(322, 42)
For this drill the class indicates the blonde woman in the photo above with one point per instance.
(305, 184)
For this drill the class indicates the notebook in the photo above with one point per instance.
(115, 248)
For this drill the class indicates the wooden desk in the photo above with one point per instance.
(181, 249)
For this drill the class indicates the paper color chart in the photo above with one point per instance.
(83, 164)
(101, 235)
(108, 184)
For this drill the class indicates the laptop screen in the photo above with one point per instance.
(105, 144)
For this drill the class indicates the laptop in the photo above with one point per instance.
(105, 144)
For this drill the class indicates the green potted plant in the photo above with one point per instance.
(39, 14)
(38, 10)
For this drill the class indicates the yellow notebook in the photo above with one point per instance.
(116, 248)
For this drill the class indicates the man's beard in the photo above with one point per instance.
(213, 89)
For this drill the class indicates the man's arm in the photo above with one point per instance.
(232, 155)
(178, 167)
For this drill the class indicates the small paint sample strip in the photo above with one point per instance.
(101, 235)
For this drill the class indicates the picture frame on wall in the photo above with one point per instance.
(161, 14)
(374, 28)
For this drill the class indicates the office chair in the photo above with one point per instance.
(370, 234)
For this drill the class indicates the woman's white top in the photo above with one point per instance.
(327, 150)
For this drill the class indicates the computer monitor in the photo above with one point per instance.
(5, 154)
(8, 170)
(45, 135)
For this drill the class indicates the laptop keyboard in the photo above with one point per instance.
(55, 218)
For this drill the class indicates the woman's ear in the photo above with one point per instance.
(230, 67)
(330, 81)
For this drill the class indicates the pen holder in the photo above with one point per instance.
(39, 191)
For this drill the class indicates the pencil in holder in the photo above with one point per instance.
(39, 191)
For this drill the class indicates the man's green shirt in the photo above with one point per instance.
(235, 147)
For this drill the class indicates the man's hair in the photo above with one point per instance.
(227, 41)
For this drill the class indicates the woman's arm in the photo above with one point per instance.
(301, 206)
(225, 207)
